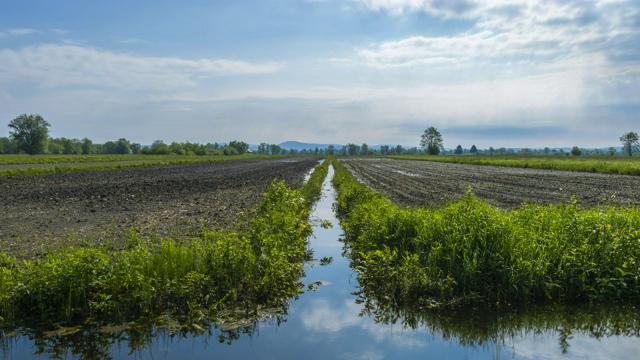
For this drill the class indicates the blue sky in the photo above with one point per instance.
(490, 73)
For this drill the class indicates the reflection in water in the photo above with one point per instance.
(476, 327)
(99, 342)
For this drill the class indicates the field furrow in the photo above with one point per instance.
(411, 183)
(43, 212)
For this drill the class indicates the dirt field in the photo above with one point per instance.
(410, 183)
(43, 212)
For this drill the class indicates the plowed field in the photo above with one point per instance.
(426, 183)
(43, 212)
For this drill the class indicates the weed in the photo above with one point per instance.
(470, 251)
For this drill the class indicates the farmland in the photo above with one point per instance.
(196, 277)
(428, 183)
(469, 251)
(43, 212)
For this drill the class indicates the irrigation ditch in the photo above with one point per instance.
(362, 290)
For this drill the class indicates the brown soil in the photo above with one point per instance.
(40, 213)
(425, 183)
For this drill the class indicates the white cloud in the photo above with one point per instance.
(62, 65)
(508, 32)
(17, 32)
(322, 317)
(132, 41)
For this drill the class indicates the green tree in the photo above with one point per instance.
(364, 149)
(123, 146)
(474, 150)
(275, 149)
(135, 148)
(158, 147)
(630, 142)
(176, 148)
(263, 148)
(87, 146)
(8, 146)
(331, 150)
(458, 150)
(432, 140)
(353, 149)
(240, 146)
(31, 133)
(575, 151)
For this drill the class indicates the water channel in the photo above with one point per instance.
(329, 321)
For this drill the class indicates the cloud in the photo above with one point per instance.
(132, 41)
(336, 320)
(17, 32)
(53, 65)
(522, 31)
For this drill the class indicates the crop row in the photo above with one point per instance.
(594, 164)
(469, 251)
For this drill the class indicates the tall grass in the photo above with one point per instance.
(622, 165)
(469, 251)
(191, 279)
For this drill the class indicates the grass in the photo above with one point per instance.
(472, 252)
(49, 164)
(622, 165)
(191, 280)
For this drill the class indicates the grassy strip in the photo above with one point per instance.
(595, 164)
(56, 159)
(312, 190)
(138, 161)
(472, 252)
(190, 279)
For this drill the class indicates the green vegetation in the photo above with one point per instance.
(49, 164)
(78, 159)
(630, 142)
(432, 140)
(472, 252)
(31, 133)
(595, 164)
(189, 279)
(312, 190)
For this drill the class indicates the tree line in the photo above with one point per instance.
(29, 134)
(432, 142)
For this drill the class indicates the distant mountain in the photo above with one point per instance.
(288, 145)
(296, 145)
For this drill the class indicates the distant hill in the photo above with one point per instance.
(296, 145)
(288, 145)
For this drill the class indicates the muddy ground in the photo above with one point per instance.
(44, 212)
(425, 183)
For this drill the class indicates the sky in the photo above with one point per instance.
(490, 73)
